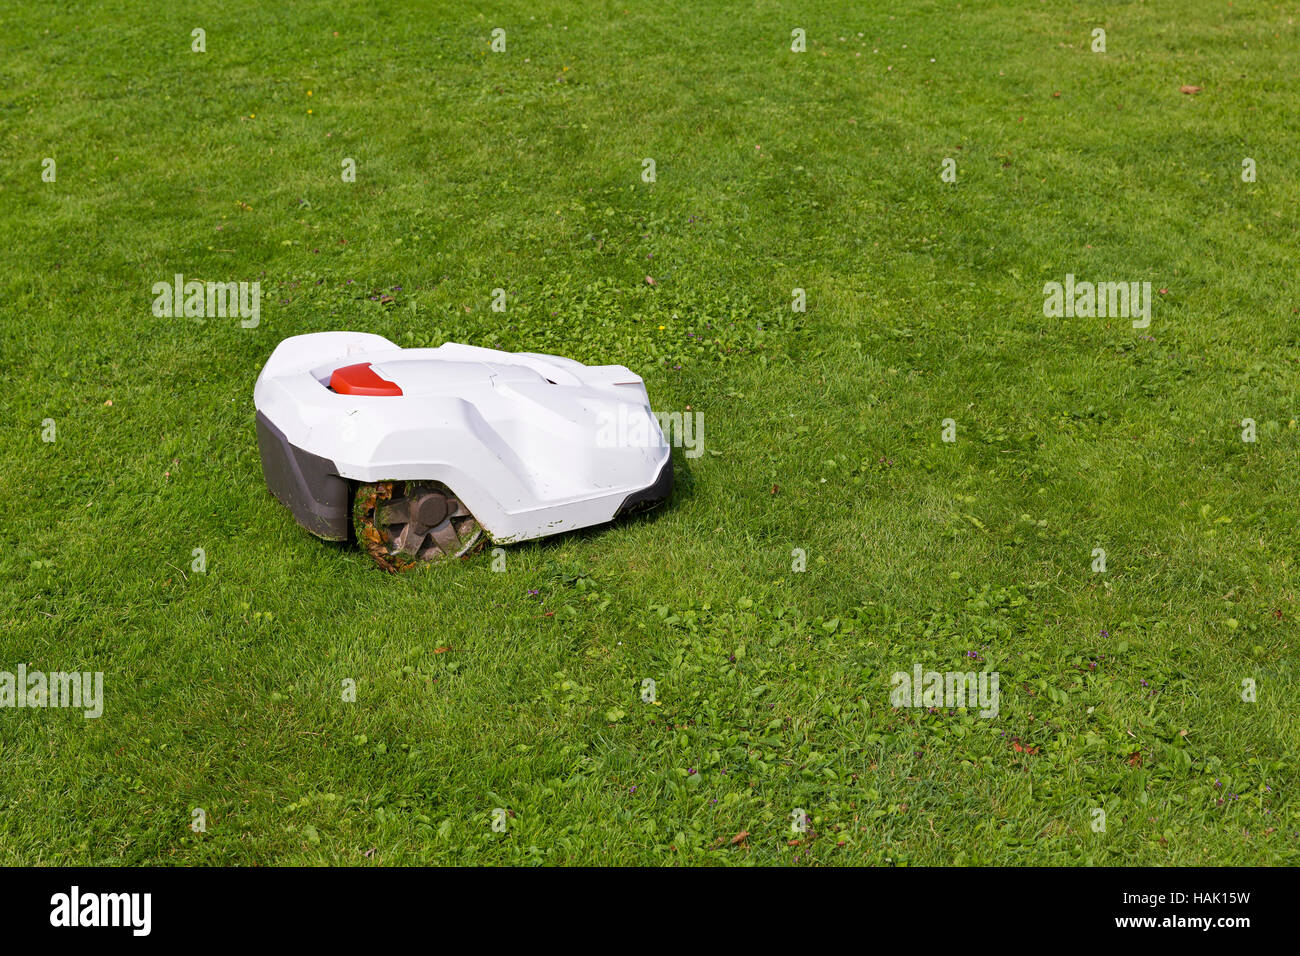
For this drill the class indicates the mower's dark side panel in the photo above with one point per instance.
(655, 494)
(307, 484)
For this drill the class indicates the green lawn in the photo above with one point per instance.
(775, 170)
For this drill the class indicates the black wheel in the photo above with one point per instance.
(404, 523)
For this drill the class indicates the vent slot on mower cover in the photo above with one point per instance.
(307, 484)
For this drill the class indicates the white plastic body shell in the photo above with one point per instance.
(530, 443)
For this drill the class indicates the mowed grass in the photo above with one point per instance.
(1121, 691)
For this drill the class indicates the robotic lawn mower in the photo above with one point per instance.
(431, 450)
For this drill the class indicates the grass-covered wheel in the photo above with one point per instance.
(404, 523)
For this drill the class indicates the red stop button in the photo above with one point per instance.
(361, 380)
